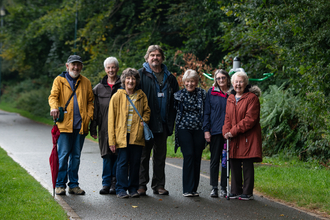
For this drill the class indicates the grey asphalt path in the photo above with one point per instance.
(29, 143)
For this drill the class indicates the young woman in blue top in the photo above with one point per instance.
(214, 117)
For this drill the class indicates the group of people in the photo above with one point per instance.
(117, 107)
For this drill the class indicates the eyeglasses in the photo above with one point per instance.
(219, 78)
(238, 82)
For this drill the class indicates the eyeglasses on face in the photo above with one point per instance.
(219, 78)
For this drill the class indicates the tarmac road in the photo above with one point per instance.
(29, 143)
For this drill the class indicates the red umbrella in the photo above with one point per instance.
(53, 159)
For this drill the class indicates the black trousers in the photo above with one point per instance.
(192, 144)
(238, 186)
(216, 147)
(159, 147)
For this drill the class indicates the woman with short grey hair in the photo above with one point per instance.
(103, 92)
(242, 128)
(189, 135)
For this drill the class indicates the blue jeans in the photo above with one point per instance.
(109, 169)
(128, 167)
(69, 149)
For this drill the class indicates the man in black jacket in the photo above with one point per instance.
(159, 85)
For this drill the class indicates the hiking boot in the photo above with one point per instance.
(113, 186)
(142, 192)
(105, 190)
(76, 191)
(60, 191)
(245, 197)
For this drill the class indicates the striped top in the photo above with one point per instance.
(130, 112)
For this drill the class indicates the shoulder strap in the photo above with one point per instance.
(134, 107)
(67, 103)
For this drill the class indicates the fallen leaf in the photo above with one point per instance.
(134, 206)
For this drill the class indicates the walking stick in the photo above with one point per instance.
(228, 169)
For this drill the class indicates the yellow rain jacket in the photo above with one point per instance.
(118, 115)
(60, 94)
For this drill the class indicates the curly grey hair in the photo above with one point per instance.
(130, 72)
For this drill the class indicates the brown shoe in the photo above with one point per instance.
(142, 192)
(161, 191)
(76, 191)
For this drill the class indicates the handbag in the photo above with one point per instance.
(62, 110)
(148, 135)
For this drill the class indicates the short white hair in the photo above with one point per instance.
(111, 60)
(240, 74)
(190, 74)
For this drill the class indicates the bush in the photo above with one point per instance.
(35, 101)
(295, 125)
(29, 95)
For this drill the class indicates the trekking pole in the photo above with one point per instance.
(228, 169)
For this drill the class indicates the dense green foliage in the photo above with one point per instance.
(286, 37)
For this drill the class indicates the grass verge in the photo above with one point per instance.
(22, 197)
(302, 184)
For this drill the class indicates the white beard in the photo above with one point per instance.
(73, 75)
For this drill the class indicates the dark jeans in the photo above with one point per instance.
(69, 149)
(192, 144)
(109, 169)
(128, 166)
(216, 147)
(237, 185)
(159, 147)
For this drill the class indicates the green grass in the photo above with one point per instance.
(9, 108)
(178, 154)
(305, 184)
(22, 197)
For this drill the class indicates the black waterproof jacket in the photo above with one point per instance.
(149, 88)
(103, 94)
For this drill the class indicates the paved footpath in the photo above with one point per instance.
(29, 143)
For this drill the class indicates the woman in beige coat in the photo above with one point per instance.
(125, 130)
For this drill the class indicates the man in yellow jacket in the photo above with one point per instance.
(74, 126)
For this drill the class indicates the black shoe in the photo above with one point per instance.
(113, 186)
(233, 196)
(214, 193)
(105, 190)
(196, 194)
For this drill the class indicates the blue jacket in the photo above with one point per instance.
(215, 110)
